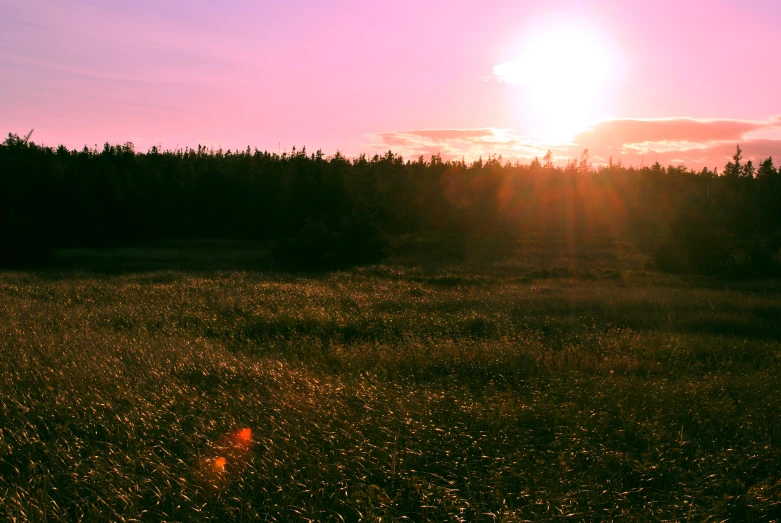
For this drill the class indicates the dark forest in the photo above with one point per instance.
(327, 212)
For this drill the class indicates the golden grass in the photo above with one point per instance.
(503, 392)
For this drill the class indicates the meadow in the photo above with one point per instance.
(525, 380)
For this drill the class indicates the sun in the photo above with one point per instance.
(564, 73)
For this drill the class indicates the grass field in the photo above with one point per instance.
(536, 382)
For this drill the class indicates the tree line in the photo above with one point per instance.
(334, 211)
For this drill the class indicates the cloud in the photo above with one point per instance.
(455, 134)
(441, 136)
(689, 141)
(151, 79)
(630, 131)
(712, 155)
(457, 143)
(14, 21)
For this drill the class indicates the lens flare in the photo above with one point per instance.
(244, 436)
(234, 447)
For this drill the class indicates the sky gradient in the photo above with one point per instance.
(673, 81)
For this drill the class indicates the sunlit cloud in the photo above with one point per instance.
(455, 134)
(710, 155)
(629, 131)
(690, 141)
(469, 144)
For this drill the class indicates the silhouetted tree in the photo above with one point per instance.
(748, 170)
(766, 169)
(733, 169)
(325, 212)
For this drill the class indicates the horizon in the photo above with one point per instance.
(651, 80)
(558, 163)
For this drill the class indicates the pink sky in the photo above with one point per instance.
(687, 80)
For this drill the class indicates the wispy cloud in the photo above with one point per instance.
(12, 20)
(450, 134)
(457, 143)
(17, 61)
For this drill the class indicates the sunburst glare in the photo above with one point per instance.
(563, 73)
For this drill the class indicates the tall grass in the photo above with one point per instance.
(538, 386)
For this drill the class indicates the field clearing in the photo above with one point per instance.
(532, 382)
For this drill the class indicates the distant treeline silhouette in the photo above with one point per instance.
(323, 212)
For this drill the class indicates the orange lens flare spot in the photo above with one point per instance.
(219, 463)
(244, 435)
